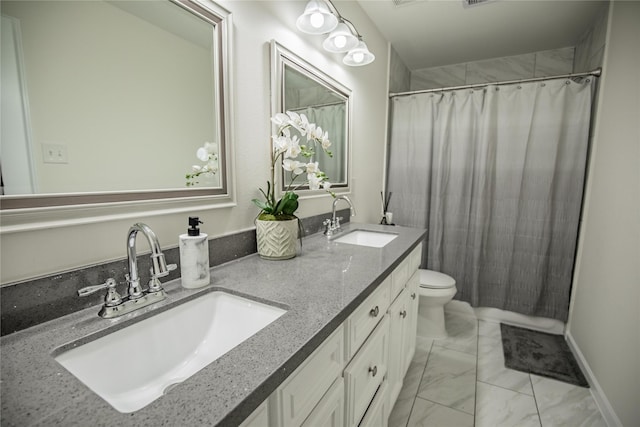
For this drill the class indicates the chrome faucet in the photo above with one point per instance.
(137, 298)
(332, 225)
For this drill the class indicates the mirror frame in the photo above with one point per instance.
(26, 212)
(281, 56)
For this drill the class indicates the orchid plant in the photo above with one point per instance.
(209, 155)
(286, 148)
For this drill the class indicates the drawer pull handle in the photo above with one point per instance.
(373, 371)
(413, 295)
(403, 313)
(374, 311)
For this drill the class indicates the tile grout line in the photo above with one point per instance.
(475, 392)
(420, 382)
(535, 400)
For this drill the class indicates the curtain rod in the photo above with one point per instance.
(318, 106)
(596, 73)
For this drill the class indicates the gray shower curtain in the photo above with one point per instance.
(496, 176)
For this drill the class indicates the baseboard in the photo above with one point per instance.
(605, 407)
(496, 315)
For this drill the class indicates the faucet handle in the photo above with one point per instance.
(170, 267)
(112, 298)
(93, 289)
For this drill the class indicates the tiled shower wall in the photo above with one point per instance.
(589, 53)
(537, 64)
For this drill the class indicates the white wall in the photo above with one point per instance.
(604, 319)
(30, 254)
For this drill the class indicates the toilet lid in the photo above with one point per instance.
(435, 280)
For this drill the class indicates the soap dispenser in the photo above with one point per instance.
(194, 256)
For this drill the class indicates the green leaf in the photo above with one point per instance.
(262, 205)
(288, 204)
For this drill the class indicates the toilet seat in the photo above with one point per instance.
(430, 279)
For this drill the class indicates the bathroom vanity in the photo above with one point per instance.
(339, 352)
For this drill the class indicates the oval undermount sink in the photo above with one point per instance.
(375, 239)
(133, 366)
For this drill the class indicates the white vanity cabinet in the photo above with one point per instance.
(292, 403)
(353, 378)
(403, 316)
(366, 372)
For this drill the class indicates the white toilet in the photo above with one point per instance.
(436, 289)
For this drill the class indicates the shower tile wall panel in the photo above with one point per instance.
(429, 78)
(554, 62)
(501, 69)
(537, 64)
(399, 75)
(589, 53)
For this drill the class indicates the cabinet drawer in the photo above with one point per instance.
(399, 277)
(378, 413)
(330, 410)
(300, 393)
(366, 372)
(366, 317)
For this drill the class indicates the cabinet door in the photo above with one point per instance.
(259, 417)
(397, 337)
(378, 413)
(330, 410)
(366, 372)
(299, 394)
(411, 324)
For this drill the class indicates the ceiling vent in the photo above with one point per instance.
(470, 3)
(402, 2)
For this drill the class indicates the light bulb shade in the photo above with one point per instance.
(359, 55)
(316, 18)
(340, 40)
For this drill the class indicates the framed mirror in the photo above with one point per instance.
(107, 102)
(300, 87)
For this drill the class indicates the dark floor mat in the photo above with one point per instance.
(541, 354)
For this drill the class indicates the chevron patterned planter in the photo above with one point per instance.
(277, 239)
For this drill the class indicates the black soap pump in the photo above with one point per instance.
(194, 256)
(193, 229)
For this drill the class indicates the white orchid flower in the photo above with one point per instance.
(196, 168)
(211, 147)
(325, 141)
(212, 165)
(326, 185)
(314, 181)
(202, 154)
(311, 128)
(294, 148)
(280, 119)
(281, 143)
(312, 167)
(317, 134)
(293, 166)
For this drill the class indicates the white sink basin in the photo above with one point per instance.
(375, 239)
(133, 366)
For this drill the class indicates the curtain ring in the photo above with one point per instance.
(567, 82)
(588, 80)
(542, 84)
(519, 87)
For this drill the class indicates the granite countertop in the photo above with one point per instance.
(320, 288)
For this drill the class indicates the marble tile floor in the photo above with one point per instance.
(461, 381)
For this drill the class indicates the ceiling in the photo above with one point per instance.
(431, 33)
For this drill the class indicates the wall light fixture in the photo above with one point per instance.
(322, 17)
